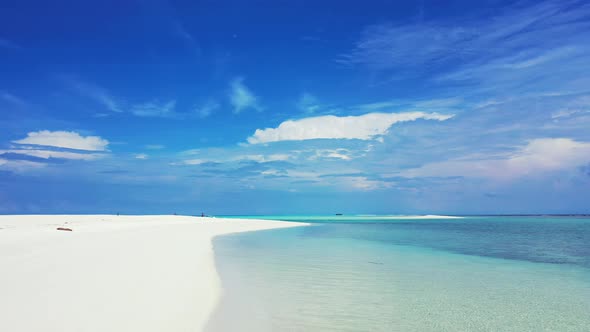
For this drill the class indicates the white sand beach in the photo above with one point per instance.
(111, 273)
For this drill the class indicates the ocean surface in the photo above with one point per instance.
(392, 273)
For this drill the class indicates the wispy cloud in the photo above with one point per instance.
(521, 71)
(20, 166)
(261, 158)
(52, 154)
(189, 40)
(342, 154)
(577, 106)
(363, 127)
(99, 94)
(518, 29)
(155, 109)
(308, 103)
(566, 113)
(378, 106)
(102, 96)
(432, 105)
(154, 146)
(205, 110)
(5, 43)
(241, 97)
(387, 46)
(525, 60)
(12, 99)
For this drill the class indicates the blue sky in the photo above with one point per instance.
(241, 107)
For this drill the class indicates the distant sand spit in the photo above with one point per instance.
(111, 273)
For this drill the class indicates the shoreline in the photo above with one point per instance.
(112, 273)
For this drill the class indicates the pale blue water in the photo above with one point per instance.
(372, 273)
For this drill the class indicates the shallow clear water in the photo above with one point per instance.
(372, 273)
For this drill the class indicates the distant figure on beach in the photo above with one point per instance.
(202, 214)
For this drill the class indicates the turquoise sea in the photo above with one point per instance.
(388, 273)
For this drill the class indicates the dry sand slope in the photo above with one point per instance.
(111, 273)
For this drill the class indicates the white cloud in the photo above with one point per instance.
(64, 139)
(241, 97)
(363, 127)
(155, 109)
(538, 156)
(141, 156)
